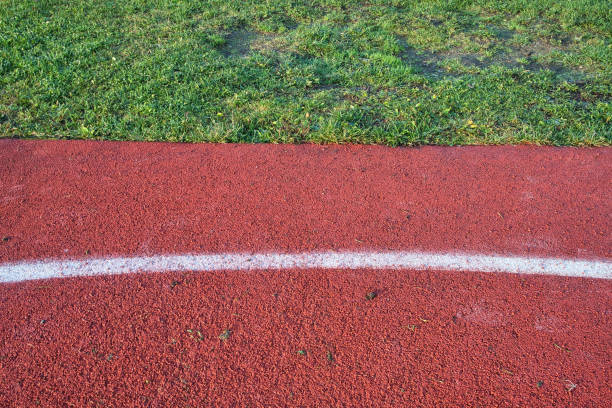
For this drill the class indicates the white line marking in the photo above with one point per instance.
(24, 271)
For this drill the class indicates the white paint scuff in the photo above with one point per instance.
(46, 269)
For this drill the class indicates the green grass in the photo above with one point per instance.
(393, 72)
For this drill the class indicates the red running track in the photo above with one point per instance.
(304, 338)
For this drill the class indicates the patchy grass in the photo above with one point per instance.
(393, 72)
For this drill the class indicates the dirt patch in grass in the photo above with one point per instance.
(425, 62)
(509, 55)
(242, 43)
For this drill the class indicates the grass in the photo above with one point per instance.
(394, 72)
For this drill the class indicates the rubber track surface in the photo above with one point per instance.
(314, 337)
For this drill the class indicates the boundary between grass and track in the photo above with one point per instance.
(46, 269)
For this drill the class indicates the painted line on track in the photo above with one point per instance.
(46, 269)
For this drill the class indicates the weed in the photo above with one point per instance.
(225, 335)
(371, 295)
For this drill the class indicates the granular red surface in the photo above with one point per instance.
(62, 199)
(303, 338)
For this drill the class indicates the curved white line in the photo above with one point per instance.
(46, 269)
